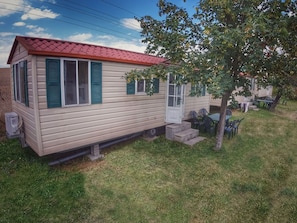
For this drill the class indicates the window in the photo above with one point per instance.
(20, 82)
(83, 82)
(75, 82)
(198, 90)
(253, 83)
(140, 87)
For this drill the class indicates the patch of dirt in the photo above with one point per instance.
(84, 163)
(293, 116)
(80, 164)
(290, 115)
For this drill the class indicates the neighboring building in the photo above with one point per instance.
(256, 92)
(70, 95)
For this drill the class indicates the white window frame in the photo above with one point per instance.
(144, 87)
(77, 84)
(17, 83)
(136, 88)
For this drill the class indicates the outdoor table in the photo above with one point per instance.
(216, 117)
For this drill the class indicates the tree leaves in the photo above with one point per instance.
(219, 40)
(222, 41)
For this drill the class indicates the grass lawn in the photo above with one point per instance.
(252, 179)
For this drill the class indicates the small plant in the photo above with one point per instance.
(233, 104)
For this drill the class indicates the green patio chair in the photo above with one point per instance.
(210, 125)
(229, 128)
(196, 121)
(236, 126)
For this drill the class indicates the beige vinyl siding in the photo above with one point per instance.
(41, 82)
(215, 101)
(87, 126)
(30, 83)
(89, 130)
(195, 103)
(26, 114)
(19, 54)
(59, 129)
(118, 115)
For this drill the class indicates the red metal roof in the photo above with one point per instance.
(61, 48)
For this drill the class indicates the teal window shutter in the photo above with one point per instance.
(192, 91)
(96, 83)
(131, 87)
(203, 90)
(26, 84)
(156, 82)
(53, 83)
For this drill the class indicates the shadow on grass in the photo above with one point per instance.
(32, 192)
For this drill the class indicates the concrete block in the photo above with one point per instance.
(95, 153)
(186, 135)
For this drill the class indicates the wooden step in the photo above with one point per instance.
(186, 135)
(195, 140)
(172, 129)
(253, 107)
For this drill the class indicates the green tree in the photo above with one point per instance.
(280, 35)
(217, 46)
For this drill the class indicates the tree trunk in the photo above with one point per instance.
(221, 124)
(275, 102)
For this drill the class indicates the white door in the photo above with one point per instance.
(175, 101)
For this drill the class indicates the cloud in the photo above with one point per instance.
(6, 42)
(131, 23)
(131, 46)
(8, 7)
(83, 37)
(37, 31)
(105, 37)
(41, 35)
(19, 24)
(37, 13)
(109, 41)
(7, 34)
(50, 1)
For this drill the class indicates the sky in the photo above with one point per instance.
(102, 22)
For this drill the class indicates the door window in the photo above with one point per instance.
(175, 93)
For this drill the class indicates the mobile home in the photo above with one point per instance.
(256, 92)
(69, 95)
